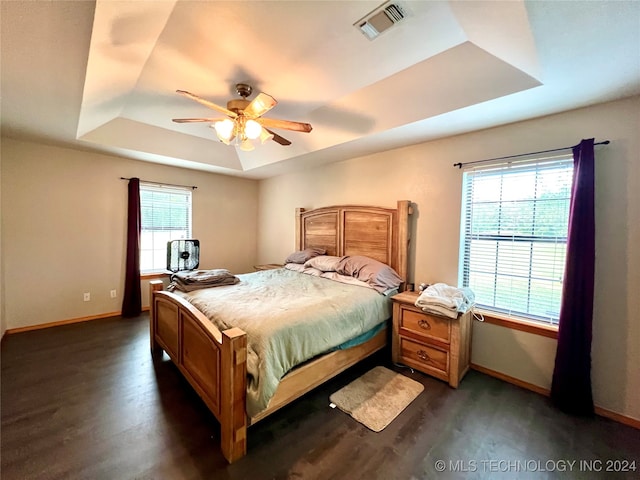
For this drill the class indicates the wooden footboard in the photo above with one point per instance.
(213, 362)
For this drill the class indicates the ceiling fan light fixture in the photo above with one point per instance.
(224, 129)
(244, 122)
(265, 136)
(252, 129)
(246, 145)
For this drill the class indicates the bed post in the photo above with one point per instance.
(233, 417)
(299, 240)
(404, 210)
(154, 286)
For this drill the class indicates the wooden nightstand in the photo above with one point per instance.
(267, 266)
(435, 345)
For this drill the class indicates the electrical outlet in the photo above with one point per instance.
(87, 296)
(113, 294)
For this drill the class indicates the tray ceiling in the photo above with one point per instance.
(448, 68)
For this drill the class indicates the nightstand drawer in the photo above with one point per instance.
(425, 358)
(426, 325)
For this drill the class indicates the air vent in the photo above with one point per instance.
(381, 19)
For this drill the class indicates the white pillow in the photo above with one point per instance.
(297, 267)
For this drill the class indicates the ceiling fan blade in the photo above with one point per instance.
(285, 124)
(191, 120)
(278, 139)
(207, 103)
(260, 105)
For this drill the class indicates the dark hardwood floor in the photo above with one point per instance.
(86, 401)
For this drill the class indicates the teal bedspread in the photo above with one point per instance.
(289, 318)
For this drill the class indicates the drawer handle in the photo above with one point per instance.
(423, 324)
(423, 355)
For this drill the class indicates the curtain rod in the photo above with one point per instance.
(192, 187)
(460, 165)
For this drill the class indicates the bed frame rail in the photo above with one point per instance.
(213, 362)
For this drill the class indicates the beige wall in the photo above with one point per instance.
(64, 224)
(424, 174)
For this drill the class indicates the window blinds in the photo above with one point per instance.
(165, 208)
(514, 236)
(165, 215)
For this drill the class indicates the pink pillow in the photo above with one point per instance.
(380, 276)
(326, 263)
(302, 256)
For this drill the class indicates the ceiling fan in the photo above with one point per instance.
(245, 121)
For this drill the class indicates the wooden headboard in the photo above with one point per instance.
(379, 233)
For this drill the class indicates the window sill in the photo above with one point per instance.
(522, 324)
(152, 275)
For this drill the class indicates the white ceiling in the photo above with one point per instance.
(102, 75)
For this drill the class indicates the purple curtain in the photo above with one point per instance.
(132, 299)
(571, 386)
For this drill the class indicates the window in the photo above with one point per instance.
(166, 215)
(514, 236)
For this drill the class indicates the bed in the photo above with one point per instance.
(214, 360)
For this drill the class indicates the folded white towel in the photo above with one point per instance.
(442, 311)
(444, 296)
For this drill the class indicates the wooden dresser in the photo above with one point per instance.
(434, 344)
